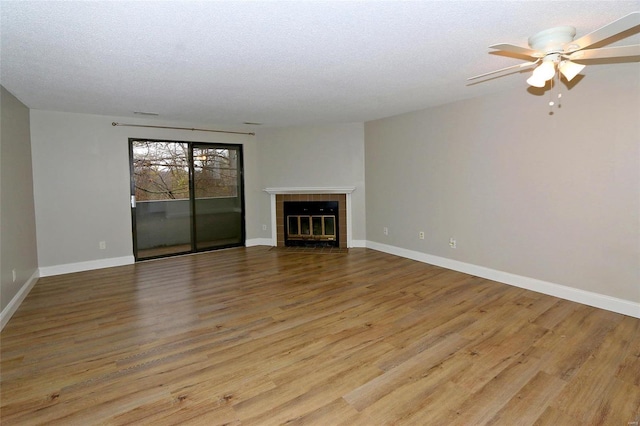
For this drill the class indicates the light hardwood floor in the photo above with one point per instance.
(253, 336)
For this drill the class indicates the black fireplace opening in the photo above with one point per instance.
(311, 224)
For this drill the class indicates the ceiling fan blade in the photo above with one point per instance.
(517, 49)
(625, 23)
(606, 52)
(523, 65)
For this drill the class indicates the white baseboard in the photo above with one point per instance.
(358, 243)
(621, 306)
(47, 271)
(13, 305)
(258, 242)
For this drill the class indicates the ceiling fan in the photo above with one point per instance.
(554, 50)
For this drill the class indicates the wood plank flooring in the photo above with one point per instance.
(252, 336)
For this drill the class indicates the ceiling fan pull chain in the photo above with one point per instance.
(559, 93)
(554, 84)
(551, 103)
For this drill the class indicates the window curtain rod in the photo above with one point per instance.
(183, 128)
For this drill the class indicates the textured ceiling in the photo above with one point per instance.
(273, 62)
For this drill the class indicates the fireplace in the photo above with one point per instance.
(311, 223)
(341, 195)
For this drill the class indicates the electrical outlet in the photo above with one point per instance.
(421, 235)
(103, 245)
(452, 242)
(385, 230)
(264, 227)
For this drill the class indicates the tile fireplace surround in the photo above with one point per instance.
(342, 195)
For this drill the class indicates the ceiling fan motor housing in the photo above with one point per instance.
(552, 40)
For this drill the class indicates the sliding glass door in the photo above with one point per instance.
(217, 196)
(185, 197)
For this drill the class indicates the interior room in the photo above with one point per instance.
(480, 265)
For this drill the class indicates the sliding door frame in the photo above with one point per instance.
(238, 148)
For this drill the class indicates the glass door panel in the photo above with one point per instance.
(329, 225)
(305, 229)
(217, 195)
(293, 225)
(161, 207)
(317, 225)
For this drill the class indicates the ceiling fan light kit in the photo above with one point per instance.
(570, 69)
(547, 70)
(536, 82)
(553, 50)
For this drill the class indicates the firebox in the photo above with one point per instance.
(311, 223)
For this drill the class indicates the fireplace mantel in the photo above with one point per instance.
(346, 190)
(311, 190)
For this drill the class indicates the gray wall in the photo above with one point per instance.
(82, 187)
(18, 235)
(315, 156)
(552, 197)
(81, 177)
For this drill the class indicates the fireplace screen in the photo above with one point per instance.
(311, 227)
(311, 223)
